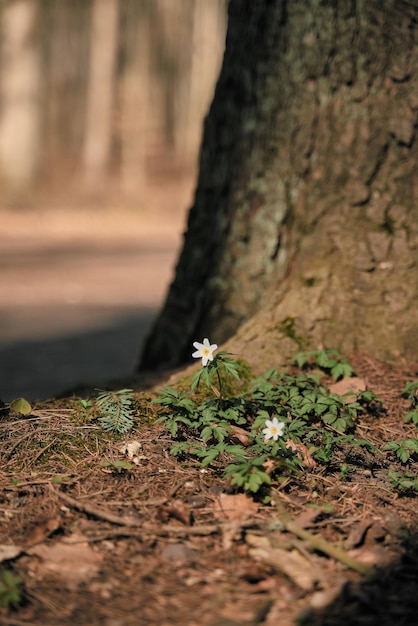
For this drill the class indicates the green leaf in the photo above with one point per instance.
(57, 480)
(404, 481)
(301, 358)
(391, 445)
(411, 444)
(206, 433)
(235, 449)
(21, 406)
(324, 360)
(402, 454)
(10, 594)
(118, 464)
(410, 391)
(341, 370)
(210, 456)
(340, 424)
(412, 416)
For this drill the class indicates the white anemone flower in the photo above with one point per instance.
(204, 351)
(274, 429)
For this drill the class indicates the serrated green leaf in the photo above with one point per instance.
(402, 454)
(412, 416)
(210, 456)
(411, 444)
(391, 445)
(328, 418)
(235, 449)
(206, 433)
(325, 361)
(342, 370)
(340, 424)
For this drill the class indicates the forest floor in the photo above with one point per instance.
(91, 536)
(80, 286)
(98, 532)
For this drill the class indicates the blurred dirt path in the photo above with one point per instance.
(79, 290)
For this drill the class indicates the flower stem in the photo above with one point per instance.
(220, 389)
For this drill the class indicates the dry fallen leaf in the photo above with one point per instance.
(357, 534)
(237, 434)
(307, 518)
(40, 531)
(348, 384)
(131, 449)
(321, 599)
(301, 449)
(292, 564)
(378, 556)
(269, 466)
(234, 507)
(176, 509)
(9, 552)
(72, 560)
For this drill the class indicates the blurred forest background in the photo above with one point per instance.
(101, 111)
(104, 93)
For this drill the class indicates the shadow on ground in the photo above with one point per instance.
(391, 598)
(49, 367)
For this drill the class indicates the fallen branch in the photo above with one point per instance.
(316, 543)
(92, 509)
(142, 528)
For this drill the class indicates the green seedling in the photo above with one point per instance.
(10, 589)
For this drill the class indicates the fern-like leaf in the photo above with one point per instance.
(116, 409)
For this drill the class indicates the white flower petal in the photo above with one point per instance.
(204, 351)
(274, 429)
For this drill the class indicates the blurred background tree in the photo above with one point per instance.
(101, 111)
(99, 95)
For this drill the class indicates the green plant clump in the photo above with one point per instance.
(278, 426)
(406, 481)
(410, 391)
(328, 360)
(403, 449)
(10, 589)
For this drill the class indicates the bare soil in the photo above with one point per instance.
(167, 542)
(80, 286)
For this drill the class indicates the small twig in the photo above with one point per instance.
(137, 528)
(40, 481)
(143, 528)
(157, 531)
(94, 510)
(9, 621)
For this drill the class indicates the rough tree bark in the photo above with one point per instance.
(304, 227)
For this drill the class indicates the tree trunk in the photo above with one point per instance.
(20, 96)
(304, 224)
(100, 104)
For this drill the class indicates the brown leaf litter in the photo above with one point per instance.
(164, 541)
